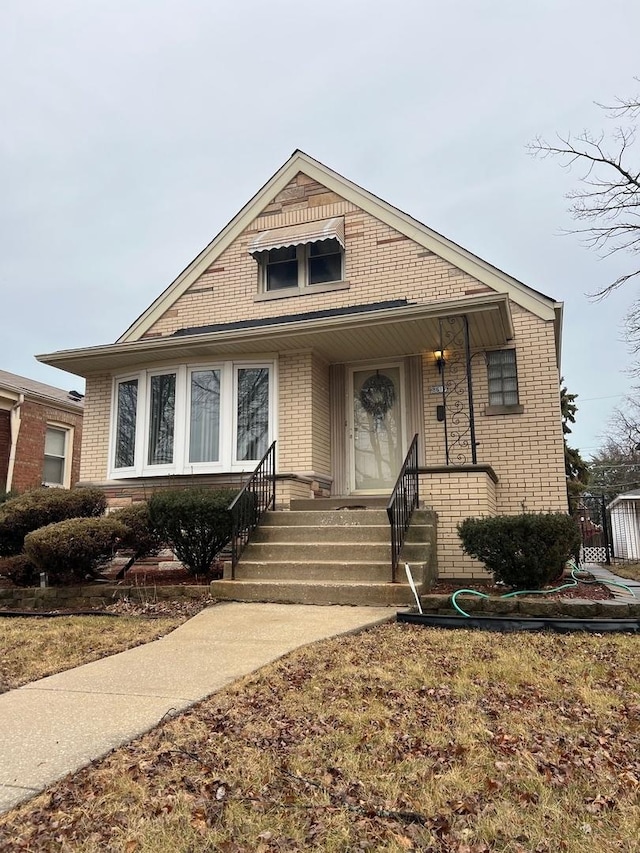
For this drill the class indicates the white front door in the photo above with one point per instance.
(376, 428)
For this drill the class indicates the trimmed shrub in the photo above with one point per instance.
(195, 523)
(525, 551)
(69, 551)
(141, 539)
(39, 507)
(6, 496)
(20, 570)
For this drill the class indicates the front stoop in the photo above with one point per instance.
(330, 554)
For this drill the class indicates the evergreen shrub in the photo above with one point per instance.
(39, 507)
(20, 570)
(525, 551)
(141, 538)
(195, 523)
(72, 551)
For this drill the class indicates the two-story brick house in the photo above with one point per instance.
(327, 320)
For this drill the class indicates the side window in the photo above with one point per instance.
(126, 416)
(56, 448)
(503, 377)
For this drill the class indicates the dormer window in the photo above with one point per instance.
(301, 256)
(280, 268)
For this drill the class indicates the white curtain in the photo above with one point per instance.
(204, 439)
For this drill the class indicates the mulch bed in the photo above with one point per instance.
(590, 591)
(153, 576)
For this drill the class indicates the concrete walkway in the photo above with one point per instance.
(56, 725)
(604, 575)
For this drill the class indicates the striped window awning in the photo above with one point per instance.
(297, 235)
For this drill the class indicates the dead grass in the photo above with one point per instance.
(400, 738)
(31, 648)
(627, 570)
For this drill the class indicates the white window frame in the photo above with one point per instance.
(131, 470)
(68, 454)
(228, 461)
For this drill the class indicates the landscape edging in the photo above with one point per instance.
(90, 596)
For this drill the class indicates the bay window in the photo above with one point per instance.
(192, 419)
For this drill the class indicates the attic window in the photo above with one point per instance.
(291, 258)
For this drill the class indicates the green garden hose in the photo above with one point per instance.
(573, 583)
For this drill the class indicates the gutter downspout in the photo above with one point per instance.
(15, 429)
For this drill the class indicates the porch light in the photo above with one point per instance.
(440, 358)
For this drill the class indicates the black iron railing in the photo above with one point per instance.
(403, 501)
(256, 497)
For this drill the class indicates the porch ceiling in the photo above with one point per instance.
(397, 331)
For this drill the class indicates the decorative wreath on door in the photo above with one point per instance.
(377, 396)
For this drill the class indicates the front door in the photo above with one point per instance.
(376, 433)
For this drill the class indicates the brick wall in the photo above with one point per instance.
(95, 446)
(456, 495)
(29, 460)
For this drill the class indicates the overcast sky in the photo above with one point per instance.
(132, 131)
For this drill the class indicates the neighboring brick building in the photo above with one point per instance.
(327, 319)
(40, 434)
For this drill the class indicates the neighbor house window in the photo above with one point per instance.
(56, 443)
(298, 266)
(192, 419)
(503, 377)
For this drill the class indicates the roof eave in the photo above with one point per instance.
(109, 357)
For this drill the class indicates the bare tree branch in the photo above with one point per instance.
(608, 198)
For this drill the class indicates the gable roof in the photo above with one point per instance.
(534, 301)
(17, 385)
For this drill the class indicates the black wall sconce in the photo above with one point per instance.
(440, 357)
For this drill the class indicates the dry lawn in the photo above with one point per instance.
(400, 738)
(31, 648)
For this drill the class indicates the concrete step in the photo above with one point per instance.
(331, 552)
(338, 533)
(311, 533)
(302, 592)
(353, 503)
(318, 555)
(316, 570)
(329, 518)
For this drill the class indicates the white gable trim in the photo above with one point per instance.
(539, 305)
